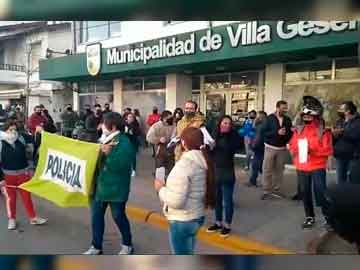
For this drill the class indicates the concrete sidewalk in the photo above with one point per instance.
(275, 222)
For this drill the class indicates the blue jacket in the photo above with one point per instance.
(248, 130)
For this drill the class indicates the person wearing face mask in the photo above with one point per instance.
(16, 159)
(248, 132)
(36, 120)
(347, 145)
(310, 147)
(160, 135)
(191, 119)
(188, 192)
(107, 108)
(112, 185)
(132, 130)
(257, 147)
(344, 148)
(178, 115)
(227, 143)
(277, 133)
(69, 118)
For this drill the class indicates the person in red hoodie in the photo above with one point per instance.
(36, 120)
(310, 146)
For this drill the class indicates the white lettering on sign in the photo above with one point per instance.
(249, 34)
(307, 28)
(243, 34)
(163, 49)
(65, 170)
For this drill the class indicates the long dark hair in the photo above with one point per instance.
(194, 140)
(217, 129)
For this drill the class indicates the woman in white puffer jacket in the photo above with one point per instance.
(189, 190)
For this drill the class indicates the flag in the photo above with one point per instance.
(65, 171)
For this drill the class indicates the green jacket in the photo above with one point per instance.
(113, 182)
(69, 120)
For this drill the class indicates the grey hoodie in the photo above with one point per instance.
(184, 193)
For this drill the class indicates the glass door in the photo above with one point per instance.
(215, 108)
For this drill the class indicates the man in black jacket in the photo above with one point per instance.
(258, 149)
(347, 145)
(277, 133)
(343, 149)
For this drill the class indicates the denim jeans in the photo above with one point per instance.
(308, 181)
(256, 167)
(182, 235)
(98, 209)
(224, 200)
(342, 170)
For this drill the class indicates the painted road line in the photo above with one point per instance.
(233, 243)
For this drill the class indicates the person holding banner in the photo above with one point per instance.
(17, 166)
(112, 185)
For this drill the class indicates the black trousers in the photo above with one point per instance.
(355, 171)
(312, 180)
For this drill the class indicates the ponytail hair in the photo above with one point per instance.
(194, 140)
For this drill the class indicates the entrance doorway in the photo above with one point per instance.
(236, 103)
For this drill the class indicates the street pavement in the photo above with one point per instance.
(276, 222)
(68, 233)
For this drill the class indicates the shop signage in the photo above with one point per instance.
(242, 34)
(93, 58)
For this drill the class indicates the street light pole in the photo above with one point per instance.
(28, 74)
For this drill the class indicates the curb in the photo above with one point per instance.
(233, 243)
(313, 247)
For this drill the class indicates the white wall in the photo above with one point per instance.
(137, 31)
(273, 91)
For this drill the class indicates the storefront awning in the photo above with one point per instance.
(11, 94)
(259, 43)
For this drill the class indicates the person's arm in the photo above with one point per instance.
(293, 144)
(174, 194)
(268, 129)
(152, 135)
(352, 134)
(323, 148)
(120, 156)
(289, 131)
(208, 140)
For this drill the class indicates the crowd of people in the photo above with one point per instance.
(194, 170)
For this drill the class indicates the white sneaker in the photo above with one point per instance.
(11, 224)
(38, 221)
(133, 174)
(126, 250)
(92, 251)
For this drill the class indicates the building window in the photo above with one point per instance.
(97, 30)
(91, 31)
(133, 84)
(155, 83)
(309, 71)
(196, 83)
(347, 68)
(115, 28)
(35, 55)
(244, 79)
(217, 81)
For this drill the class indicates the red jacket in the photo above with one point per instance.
(319, 149)
(153, 118)
(34, 121)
